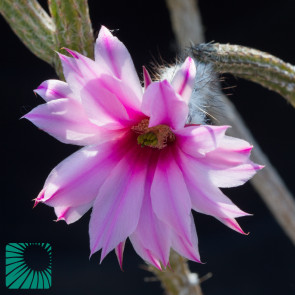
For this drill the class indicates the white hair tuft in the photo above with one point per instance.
(205, 93)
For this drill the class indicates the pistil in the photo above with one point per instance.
(155, 137)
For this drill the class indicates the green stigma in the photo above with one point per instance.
(147, 139)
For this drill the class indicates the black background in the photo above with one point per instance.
(261, 263)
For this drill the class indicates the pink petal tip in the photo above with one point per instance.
(146, 77)
(71, 52)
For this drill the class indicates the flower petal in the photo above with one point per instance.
(164, 106)
(234, 176)
(230, 152)
(119, 252)
(188, 250)
(199, 140)
(81, 72)
(231, 223)
(228, 165)
(205, 196)
(183, 81)
(144, 253)
(54, 89)
(102, 89)
(77, 179)
(71, 214)
(153, 233)
(113, 57)
(117, 206)
(146, 77)
(170, 198)
(102, 106)
(78, 71)
(66, 120)
(124, 93)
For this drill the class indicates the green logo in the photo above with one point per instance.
(28, 265)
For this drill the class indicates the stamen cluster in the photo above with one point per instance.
(156, 137)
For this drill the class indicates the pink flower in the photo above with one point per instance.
(142, 169)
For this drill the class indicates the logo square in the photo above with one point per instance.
(28, 265)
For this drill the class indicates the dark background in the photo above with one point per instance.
(261, 263)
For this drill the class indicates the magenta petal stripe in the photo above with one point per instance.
(79, 71)
(54, 89)
(119, 250)
(183, 81)
(170, 197)
(116, 211)
(103, 107)
(199, 140)
(111, 96)
(160, 103)
(146, 77)
(188, 250)
(72, 73)
(152, 232)
(112, 55)
(71, 214)
(231, 223)
(231, 152)
(144, 253)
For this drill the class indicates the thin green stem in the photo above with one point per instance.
(254, 65)
(32, 25)
(73, 26)
(178, 279)
(69, 26)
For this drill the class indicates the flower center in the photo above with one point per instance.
(156, 137)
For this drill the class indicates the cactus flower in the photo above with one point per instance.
(142, 169)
